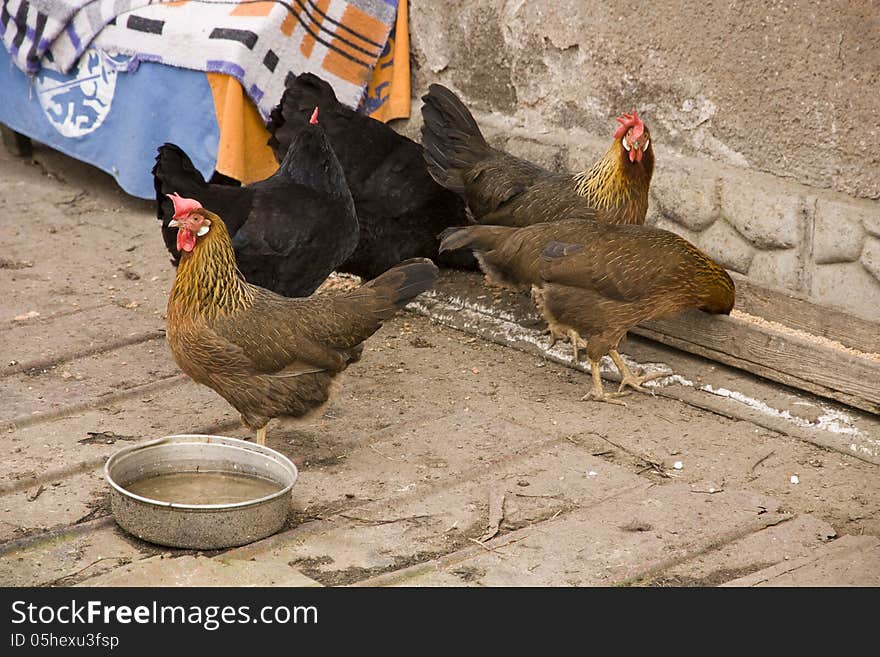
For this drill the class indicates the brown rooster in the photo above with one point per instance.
(501, 189)
(267, 355)
(599, 280)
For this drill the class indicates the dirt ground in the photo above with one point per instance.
(444, 459)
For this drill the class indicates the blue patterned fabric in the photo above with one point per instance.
(112, 119)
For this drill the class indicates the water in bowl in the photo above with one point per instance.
(203, 487)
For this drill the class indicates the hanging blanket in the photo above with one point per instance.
(114, 105)
(35, 32)
(257, 42)
(111, 119)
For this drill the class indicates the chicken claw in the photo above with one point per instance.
(597, 393)
(630, 380)
(569, 335)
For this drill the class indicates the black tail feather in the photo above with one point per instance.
(450, 136)
(173, 172)
(302, 94)
(173, 165)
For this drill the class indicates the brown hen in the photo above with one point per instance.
(599, 280)
(501, 189)
(267, 355)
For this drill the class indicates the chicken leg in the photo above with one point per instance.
(554, 336)
(628, 379)
(557, 332)
(261, 435)
(576, 343)
(597, 393)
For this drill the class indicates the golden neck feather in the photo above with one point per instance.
(711, 283)
(208, 281)
(606, 186)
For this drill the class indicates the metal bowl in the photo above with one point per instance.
(199, 526)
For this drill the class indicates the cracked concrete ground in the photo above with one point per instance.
(455, 452)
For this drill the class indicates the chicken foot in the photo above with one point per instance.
(597, 393)
(557, 332)
(630, 380)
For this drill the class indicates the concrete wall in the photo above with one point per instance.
(765, 117)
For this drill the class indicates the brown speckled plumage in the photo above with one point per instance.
(268, 355)
(597, 279)
(501, 189)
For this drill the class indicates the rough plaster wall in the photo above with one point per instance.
(788, 87)
(765, 117)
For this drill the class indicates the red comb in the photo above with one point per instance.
(628, 121)
(183, 206)
(314, 119)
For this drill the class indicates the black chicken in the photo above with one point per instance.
(401, 209)
(290, 230)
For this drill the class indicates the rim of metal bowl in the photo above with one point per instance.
(237, 444)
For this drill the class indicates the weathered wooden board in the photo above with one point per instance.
(774, 355)
(797, 313)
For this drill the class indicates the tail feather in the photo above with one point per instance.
(453, 111)
(477, 238)
(302, 94)
(173, 172)
(275, 126)
(451, 137)
(397, 286)
(173, 165)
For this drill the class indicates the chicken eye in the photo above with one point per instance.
(625, 143)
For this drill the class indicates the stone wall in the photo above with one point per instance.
(765, 117)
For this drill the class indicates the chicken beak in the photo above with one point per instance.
(635, 150)
(174, 223)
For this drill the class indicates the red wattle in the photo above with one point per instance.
(186, 241)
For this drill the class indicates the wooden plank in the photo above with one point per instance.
(774, 355)
(802, 314)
